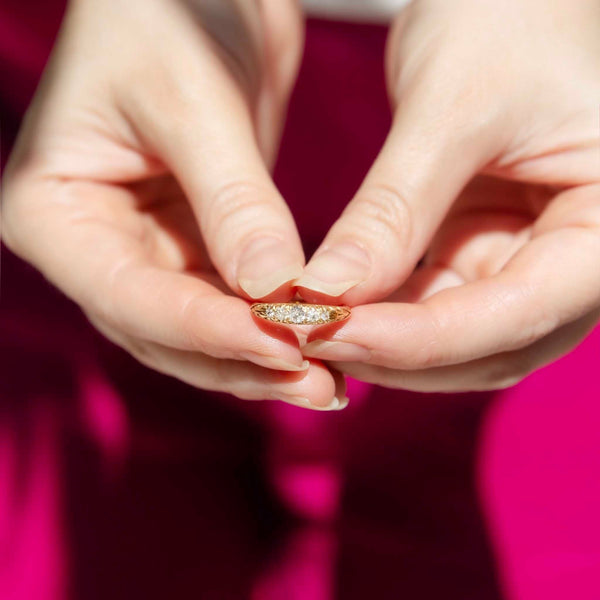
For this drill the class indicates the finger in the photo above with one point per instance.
(107, 272)
(316, 388)
(478, 244)
(425, 282)
(472, 243)
(551, 281)
(490, 373)
(434, 147)
(205, 133)
(183, 311)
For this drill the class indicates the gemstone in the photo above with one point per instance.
(299, 313)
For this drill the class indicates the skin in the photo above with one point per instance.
(490, 175)
(140, 188)
(470, 252)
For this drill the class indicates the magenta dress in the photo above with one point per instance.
(117, 482)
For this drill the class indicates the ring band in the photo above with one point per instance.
(299, 313)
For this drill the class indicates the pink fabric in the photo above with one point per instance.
(539, 470)
(117, 482)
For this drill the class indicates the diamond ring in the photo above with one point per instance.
(299, 313)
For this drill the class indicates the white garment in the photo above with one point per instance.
(355, 10)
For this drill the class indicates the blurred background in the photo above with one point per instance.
(117, 482)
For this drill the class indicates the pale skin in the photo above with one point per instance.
(140, 187)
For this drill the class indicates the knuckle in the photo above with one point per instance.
(286, 41)
(546, 319)
(201, 326)
(432, 351)
(172, 94)
(226, 381)
(239, 204)
(427, 356)
(109, 305)
(382, 210)
(542, 326)
(144, 354)
(506, 372)
(241, 393)
(241, 379)
(190, 334)
(236, 45)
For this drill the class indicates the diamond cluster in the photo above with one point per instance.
(297, 313)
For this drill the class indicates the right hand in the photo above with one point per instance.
(139, 186)
(478, 224)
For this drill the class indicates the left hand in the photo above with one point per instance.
(139, 187)
(490, 175)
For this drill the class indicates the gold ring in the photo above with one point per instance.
(299, 313)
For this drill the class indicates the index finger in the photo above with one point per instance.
(551, 281)
(107, 272)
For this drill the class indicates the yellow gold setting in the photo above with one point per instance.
(300, 313)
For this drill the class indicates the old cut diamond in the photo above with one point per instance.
(299, 313)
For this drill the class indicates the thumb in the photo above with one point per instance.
(438, 140)
(204, 131)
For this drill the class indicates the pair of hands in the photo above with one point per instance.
(140, 186)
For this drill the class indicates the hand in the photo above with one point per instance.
(488, 184)
(139, 187)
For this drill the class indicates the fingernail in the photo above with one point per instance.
(293, 400)
(273, 362)
(265, 265)
(343, 351)
(338, 403)
(335, 404)
(336, 270)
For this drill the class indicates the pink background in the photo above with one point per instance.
(117, 482)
